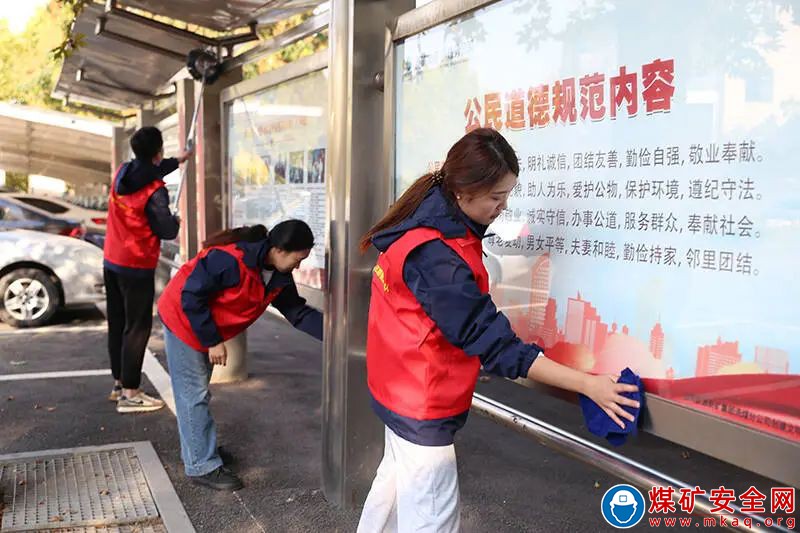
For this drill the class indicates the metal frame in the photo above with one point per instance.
(583, 450)
(389, 114)
(101, 31)
(759, 452)
(352, 437)
(80, 77)
(111, 8)
(170, 509)
(88, 100)
(308, 27)
(294, 70)
(433, 14)
(168, 121)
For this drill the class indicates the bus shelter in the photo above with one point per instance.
(653, 226)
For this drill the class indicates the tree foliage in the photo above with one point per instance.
(305, 47)
(30, 62)
(28, 67)
(15, 181)
(70, 9)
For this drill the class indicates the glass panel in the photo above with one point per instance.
(656, 220)
(276, 158)
(45, 205)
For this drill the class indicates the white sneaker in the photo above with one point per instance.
(141, 403)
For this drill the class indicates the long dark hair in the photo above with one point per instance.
(290, 236)
(474, 165)
(255, 233)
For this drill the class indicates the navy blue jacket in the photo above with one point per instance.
(136, 175)
(446, 289)
(219, 270)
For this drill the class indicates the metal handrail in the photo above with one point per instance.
(592, 454)
(170, 263)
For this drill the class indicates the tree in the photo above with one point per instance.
(249, 168)
(30, 63)
(16, 182)
(71, 10)
(28, 69)
(302, 48)
(314, 43)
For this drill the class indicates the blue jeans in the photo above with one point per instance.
(190, 372)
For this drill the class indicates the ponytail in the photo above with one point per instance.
(403, 208)
(255, 233)
(289, 236)
(474, 164)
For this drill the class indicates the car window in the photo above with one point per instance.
(10, 212)
(41, 203)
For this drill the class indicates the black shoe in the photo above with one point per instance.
(226, 456)
(219, 479)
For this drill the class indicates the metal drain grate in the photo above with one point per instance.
(92, 490)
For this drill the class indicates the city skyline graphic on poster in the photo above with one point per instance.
(601, 345)
(723, 380)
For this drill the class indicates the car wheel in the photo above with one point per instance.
(28, 298)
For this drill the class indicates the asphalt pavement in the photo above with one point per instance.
(271, 423)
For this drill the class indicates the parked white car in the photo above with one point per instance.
(92, 219)
(41, 272)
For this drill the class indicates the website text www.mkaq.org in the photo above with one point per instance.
(624, 506)
(754, 523)
(759, 510)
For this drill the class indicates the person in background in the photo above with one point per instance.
(139, 218)
(214, 297)
(432, 325)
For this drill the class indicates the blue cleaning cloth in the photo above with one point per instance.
(600, 424)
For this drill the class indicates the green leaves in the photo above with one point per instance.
(70, 42)
(30, 61)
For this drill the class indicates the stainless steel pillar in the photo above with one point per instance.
(119, 148)
(357, 196)
(211, 190)
(209, 195)
(145, 117)
(187, 207)
(236, 366)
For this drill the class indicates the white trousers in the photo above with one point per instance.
(415, 490)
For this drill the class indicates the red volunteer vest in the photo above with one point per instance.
(129, 240)
(411, 368)
(232, 309)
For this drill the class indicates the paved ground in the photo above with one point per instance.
(271, 423)
(80, 317)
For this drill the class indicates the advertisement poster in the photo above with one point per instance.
(276, 146)
(656, 220)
